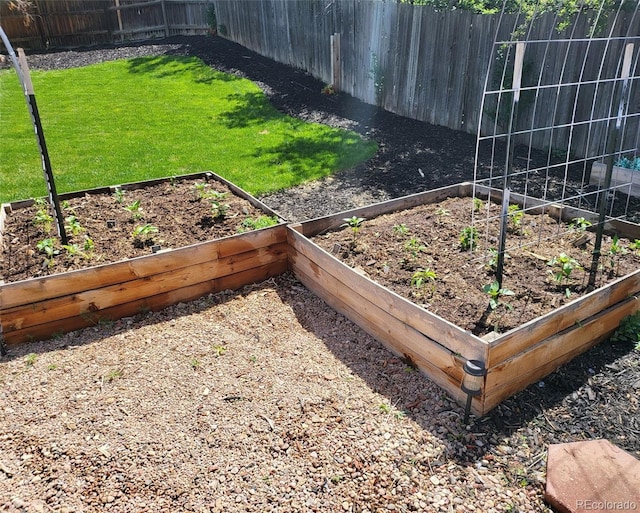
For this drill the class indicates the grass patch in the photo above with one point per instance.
(142, 118)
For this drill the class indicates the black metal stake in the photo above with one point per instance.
(44, 153)
(612, 139)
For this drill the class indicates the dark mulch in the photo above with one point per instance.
(595, 396)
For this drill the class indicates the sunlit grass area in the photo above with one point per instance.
(137, 119)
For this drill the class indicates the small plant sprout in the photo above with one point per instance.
(195, 363)
(355, 223)
(218, 210)
(400, 229)
(143, 233)
(492, 261)
(635, 245)
(112, 375)
(515, 217)
(48, 248)
(118, 195)
(495, 293)
(219, 350)
(73, 250)
(563, 266)
(72, 224)
(30, 359)
(580, 224)
(477, 204)
(442, 212)
(629, 330)
(616, 250)
(468, 238)
(135, 209)
(88, 245)
(423, 276)
(42, 217)
(414, 246)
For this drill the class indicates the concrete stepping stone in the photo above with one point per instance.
(592, 476)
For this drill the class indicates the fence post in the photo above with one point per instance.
(164, 18)
(336, 72)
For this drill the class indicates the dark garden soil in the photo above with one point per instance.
(105, 228)
(595, 396)
(399, 249)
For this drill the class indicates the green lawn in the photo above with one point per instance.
(136, 119)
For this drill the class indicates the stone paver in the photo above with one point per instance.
(592, 476)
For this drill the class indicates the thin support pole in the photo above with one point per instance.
(612, 139)
(22, 70)
(506, 191)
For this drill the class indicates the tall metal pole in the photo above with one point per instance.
(612, 138)
(22, 69)
(506, 191)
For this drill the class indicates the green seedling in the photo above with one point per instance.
(400, 229)
(477, 204)
(355, 224)
(112, 375)
(144, 232)
(414, 246)
(468, 238)
(250, 224)
(42, 217)
(30, 359)
(88, 245)
(423, 276)
(628, 330)
(384, 408)
(616, 250)
(495, 294)
(515, 217)
(218, 210)
(492, 261)
(219, 350)
(635, 245)
(442, 212)
(564, 266)
(48, 247)
(73, 250)
(580, 224)
(135, 209)
(194, 363)
(72, 225)
(118, 195)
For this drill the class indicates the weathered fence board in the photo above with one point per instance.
(67, 23)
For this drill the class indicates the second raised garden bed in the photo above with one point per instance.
(513, 360)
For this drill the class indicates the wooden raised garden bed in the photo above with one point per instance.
(437, 347)
(38, 308)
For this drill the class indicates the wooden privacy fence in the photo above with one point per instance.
(66, 23)
(422, 63)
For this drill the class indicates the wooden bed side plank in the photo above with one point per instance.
(528, 367)
(519, 339)
(445, 333)
(153, 303)
(39, 289)
(95, 300)
(333, 221)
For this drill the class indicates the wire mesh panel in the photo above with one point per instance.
(560, 122)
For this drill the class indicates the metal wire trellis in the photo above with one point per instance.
(547, 92)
